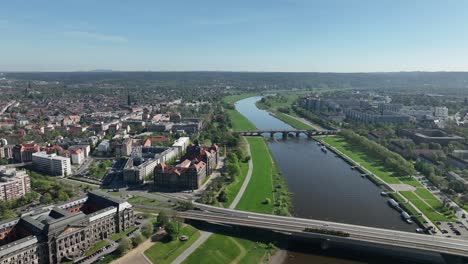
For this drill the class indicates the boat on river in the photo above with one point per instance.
(324, 149)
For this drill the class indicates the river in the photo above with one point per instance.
(323, 186)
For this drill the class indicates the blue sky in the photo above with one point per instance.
(274, 35)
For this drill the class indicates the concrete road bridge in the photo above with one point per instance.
(334, 232)
(285, 133)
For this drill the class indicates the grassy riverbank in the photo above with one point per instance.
(425, 201)
(260, 188)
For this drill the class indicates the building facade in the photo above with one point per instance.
(63, 233)
(24, 152)
(51, 164)
(197, 163)
(14, 183)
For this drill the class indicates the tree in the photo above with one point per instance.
(125, 245)
(222, 198)
(172, 229)
(457, 186)
(62, 195)
(147, 229)
(137, 239)
(233, 169)
(46, 198)
(185, 205)
(162, 219)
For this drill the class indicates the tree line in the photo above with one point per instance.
(391, 159)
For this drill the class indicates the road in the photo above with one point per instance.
(356, 234)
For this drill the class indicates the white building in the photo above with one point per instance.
(77, 156)
(51, 164)
(181, 144)
(85, 149)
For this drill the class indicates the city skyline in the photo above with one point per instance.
(284, 36)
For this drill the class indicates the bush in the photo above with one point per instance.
(125, 245)
(147, 229)
(137, 239)
(267, 201)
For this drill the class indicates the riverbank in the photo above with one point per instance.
(431, 208)
(266, 192)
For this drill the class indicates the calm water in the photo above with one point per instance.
(323, 185)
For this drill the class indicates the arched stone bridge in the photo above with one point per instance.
(285, 133)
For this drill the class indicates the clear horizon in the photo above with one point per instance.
(242, 36)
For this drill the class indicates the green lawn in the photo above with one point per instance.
(365, 160)
(146, 201)
(239, 122)
(95, 247)
(222, 249)
(426, 195)
(410, 181)
(166, 252)
(425, 209)
(261, 184)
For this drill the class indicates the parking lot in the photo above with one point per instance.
(455, 230)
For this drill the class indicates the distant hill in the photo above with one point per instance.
(259, 80)
(102, 70)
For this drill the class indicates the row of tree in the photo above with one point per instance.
(391, 159)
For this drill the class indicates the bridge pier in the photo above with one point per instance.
(297, 134)
(285, 134)
(325, 244)
(272, 134)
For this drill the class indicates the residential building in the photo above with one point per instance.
(189, 177)
(51, 164)
(64, 232)
(6, 151)
(430, 136)
(181, 144)
(14, 183)
(103, 146)
(77, 156)
(85, 149)
(124, 147)
(24, 152)
(197, 163)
